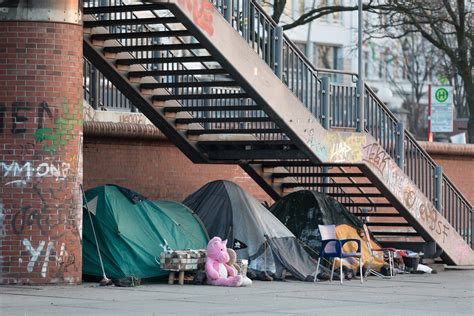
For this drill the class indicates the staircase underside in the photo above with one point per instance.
(232, 108)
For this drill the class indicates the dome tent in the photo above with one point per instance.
(302, 211)
(133, 231)
(252, 231)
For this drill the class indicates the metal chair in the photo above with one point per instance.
(386, 251)
(332, 248)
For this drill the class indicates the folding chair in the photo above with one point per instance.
(386, 251)
(332, 248)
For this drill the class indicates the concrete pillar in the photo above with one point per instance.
(40, 141)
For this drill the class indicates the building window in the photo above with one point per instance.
(326, 56)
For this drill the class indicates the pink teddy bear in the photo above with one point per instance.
(217, 270)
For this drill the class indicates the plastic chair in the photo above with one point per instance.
(332, 248)
(386, 251)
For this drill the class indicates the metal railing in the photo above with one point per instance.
(301, 77)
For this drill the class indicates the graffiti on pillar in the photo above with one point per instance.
(59, 135)
(33, 253)
(201, 11)
(50, 137)
(2, 220)
(21, 173)
(41, 255)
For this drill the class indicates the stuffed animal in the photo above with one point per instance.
(233, 263)
(217, 270)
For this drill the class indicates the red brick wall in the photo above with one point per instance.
(40, 146)
(460, 170)
(457, 161)
(156, 169)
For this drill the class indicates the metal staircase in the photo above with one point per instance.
(222, 82)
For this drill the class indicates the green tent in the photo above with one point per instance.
(133, 231)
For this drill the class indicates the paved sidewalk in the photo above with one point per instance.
(446, 293)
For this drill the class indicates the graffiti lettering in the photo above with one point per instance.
(25, 171)
(63, 260)
(34, 253)
(339, 152)
(131, 118)
(376, 155)
(202, 13)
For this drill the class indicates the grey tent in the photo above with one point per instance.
(229, 212)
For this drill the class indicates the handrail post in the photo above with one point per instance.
(400, 145)
(472, 228)
(361, 106)
(228, 10)
(279, 51)
(438, 188)
(325, 102)
(94, 87)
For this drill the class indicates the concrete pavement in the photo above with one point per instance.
(446, 293)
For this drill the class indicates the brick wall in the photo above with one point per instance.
(40, 152)
(457, 162)
(156, 169)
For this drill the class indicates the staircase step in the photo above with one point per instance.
(356, 195)
(394, 233)
(388, 224)
(109, 36)
(302, 163)
(164, 60)
(250, 143)
(144, 21)
(166, 97)
(234, 131)
(194, 84)
(176, 109)
(239, 155)
(327, 185)
(221, 120)
(316, 174)
(123, 8)
(376, 214)
(182, 72)
(153, 47)
(374, 204)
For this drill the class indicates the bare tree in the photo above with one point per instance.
(446, 24)
(415, 62)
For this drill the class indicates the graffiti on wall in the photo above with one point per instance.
(406, 191)
(47, 173)
(53, 130)
(201, 11)
(337, 147)
(20, 173)
(48, 253)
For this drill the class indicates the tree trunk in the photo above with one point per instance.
(469, 91)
